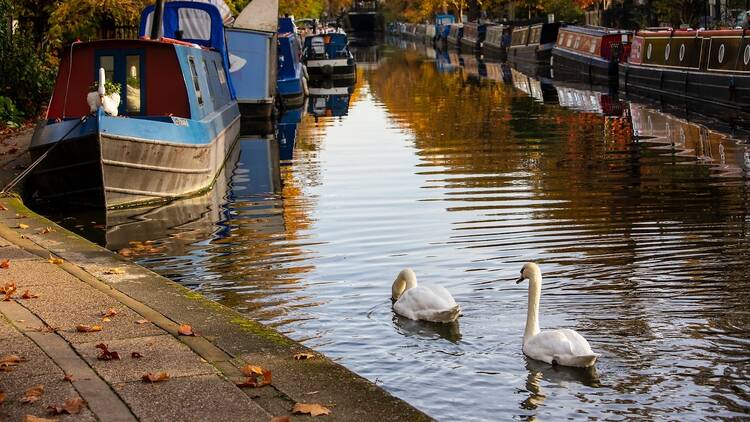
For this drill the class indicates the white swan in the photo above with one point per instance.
(426, 303)
(563, 347)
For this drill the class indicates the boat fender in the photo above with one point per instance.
(305, 88)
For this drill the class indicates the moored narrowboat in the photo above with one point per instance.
(531, 47)
(158, 125)
(443, 27)
(328, 55)
(707, 68)
(455, 33)
(291, 84)
(589, 54)
(473, 35)
(497, 41)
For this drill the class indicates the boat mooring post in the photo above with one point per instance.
(157, 18)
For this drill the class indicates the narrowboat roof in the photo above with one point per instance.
(596, 31)
(286, 25)
(661, 32)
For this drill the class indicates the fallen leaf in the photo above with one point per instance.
(256, 376)
(141, 321)
(313, 409)
(10, 360)
(21, 216)
(126, 252)
(83, 328)
(151, 377)
(5, 287)
(105, 319)
(281, 419)
(109, 312)
(9, 289)
(47, 230)
(106, 353)
(27, 295)
(5, 263)
(68, 378)
(55, 260)
(3, 207)
(304, 356)
(185, 330)
(71, 406)
(32, 394)
(2, 397)
(23, 226)
(112, 271)
(136, 355)
(32, 418)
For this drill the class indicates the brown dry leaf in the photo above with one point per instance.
(106, 353)
(5, 263)
(141, 321)
(55, 260)
(105, 319)
(71, 406)
(126, 252)
(21, 216)
(304, 356)
(4, 288)
(313, 409)
(32, 394)
(185, 330)
(32, 418)
(256, 377)
(2, 397)
(47, 230)
(23, 226)
(109, 313)
(28, 295)
(151, 377)
(83, 328)
(136, 355)
(9, 289)
(114, 271)
(281, 419)
(3, 207)
(10, 360)
(68, 378)
(250, 370)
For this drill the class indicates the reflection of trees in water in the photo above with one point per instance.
(653, 233)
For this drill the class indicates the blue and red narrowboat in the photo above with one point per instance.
(167, 121)
(497, 41)
(590, 54)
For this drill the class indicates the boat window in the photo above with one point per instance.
(220, 72)
(721, 53)
(133, 84)
(667, 49)
(682, 52)
(211, 92)
(195, 24)
(648, 51)
(196, 85)
(746, 57)
(108, 63)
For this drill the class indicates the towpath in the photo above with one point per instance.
(67, 305)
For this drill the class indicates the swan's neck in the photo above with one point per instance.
(532, 318)
(402, 284)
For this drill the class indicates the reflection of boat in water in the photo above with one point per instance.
(329, 98)
(445, 61)
(687, 139)
(499, 72)
(286, 131)
(590, 101)
(541, 90)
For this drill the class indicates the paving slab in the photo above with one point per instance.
(56, 392)
(14, 253)
(32, 273)
(196, 396)
(159, 354)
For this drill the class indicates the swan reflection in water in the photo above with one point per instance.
(555, 375)
(411, 328)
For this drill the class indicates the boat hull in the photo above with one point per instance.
(531, 59)
(335, 68)
(363, 21)
(102, 169)
(574, 67)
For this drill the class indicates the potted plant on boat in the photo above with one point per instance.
(110, 100)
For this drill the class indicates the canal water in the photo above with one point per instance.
(464, 169)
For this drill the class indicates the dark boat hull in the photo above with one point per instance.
(569, 66)
(533, 60)
(363, 21)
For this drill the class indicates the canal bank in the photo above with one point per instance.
(68, 296)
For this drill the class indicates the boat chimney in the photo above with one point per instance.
(101, 90)
(157, 18)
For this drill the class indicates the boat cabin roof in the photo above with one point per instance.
(596, 31)
(286, 25)
(668, 32)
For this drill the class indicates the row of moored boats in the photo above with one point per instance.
(708, 68)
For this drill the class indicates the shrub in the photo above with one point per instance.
(10, 116)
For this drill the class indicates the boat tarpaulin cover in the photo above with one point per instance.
(259, 15)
